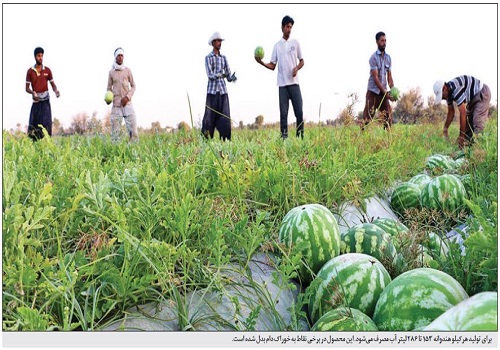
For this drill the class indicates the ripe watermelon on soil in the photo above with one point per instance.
(354, 280)
(369, 239)
(445, 192)
(415, 299)
(344, 319)
(312, 231)
(477, 313)
(406, 195)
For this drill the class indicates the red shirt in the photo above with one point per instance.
(39, 80)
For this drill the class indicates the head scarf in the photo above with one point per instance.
(116, 66)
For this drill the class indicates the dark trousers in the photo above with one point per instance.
(40, 114)
(377, 101)
(287, 93)
(217, 116)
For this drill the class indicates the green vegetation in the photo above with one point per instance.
(92, 228)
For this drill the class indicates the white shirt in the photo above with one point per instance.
(286, 54)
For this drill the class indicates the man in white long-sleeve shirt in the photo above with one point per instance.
(121, 83)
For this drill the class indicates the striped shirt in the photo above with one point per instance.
(463, 89)
(216, 64)
(382, 64)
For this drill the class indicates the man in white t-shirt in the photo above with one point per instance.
(288, 56)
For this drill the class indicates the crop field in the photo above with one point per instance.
(92, 228)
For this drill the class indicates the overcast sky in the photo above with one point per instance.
(165, 46)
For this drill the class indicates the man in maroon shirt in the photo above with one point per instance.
(41, 114)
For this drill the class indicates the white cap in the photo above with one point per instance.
(438, 91)
(214, 36)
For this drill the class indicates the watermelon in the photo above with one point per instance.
(420, 179)
(438, 164)
(108, 97)
(415, 299)
(394, 93)
(437, 247)
(368, 239)
(312, 231)
(406, 195)
(424, 258)
(467, 182)
(344, 319)
(396, 229)
(477, 313)
(445, 192)
(259, 52)
(354, 280)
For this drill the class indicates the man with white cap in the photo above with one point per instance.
(473, 100)
(217, 114)
(121, 83)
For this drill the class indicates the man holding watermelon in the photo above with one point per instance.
(473, 100)
(288, 56)
(377, 96)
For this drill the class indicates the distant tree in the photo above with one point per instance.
(57, 128)
(259, 121)
(241, 125)
(183, 126)
(347, 115)
(156, 127)
(94, 125)
(106, 123)
(80, 122)
(409, 107)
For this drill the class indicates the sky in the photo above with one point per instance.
(166, 44)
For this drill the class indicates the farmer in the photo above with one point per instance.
(288, 56)
(473, 101)
(217, 114)
(377, 96)
(122, 84)
(41, 114)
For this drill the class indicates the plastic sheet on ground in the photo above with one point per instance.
(350, 215)
(249, 298)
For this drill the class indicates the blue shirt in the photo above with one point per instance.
(382, 64)
(463, 89)
(216, 64)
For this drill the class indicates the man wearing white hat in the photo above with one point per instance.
(217, 114)
(473, 100)
(121, 83)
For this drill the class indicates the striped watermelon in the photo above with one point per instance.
(396, 229)
(312, 231)
(368, 239)
(437, 246)
(445, 192)
(415, 299)
(406, 195)
(439, 164)
(420, 179)
(344, 319)
(424, 258)
(467, 182)
(353, 280)
(477, 313)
